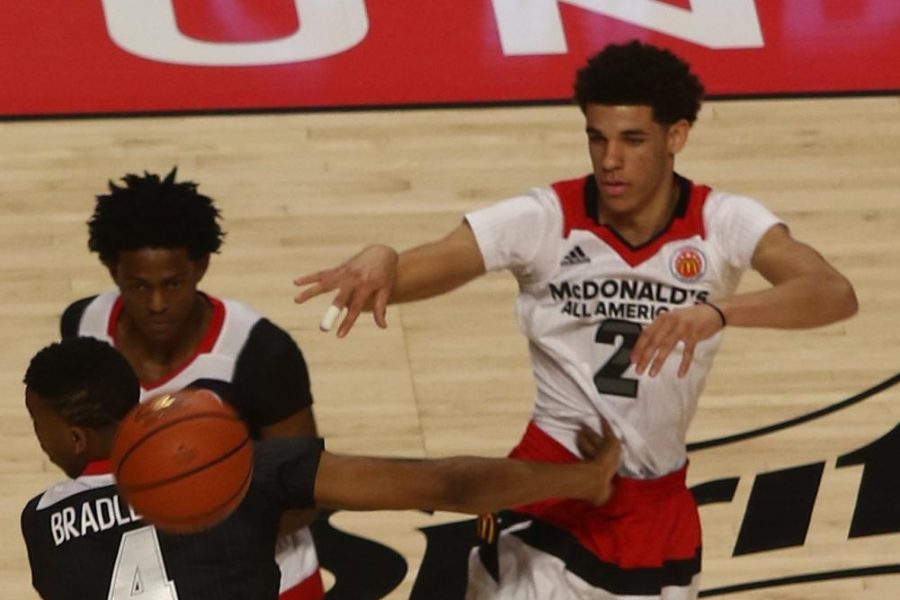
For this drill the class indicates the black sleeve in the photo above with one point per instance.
(270, 378)
(285, 468)
(71, 317)
(29, 530)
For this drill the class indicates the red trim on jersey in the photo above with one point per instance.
(98, 467)
(646, 522)
(216, 320)
(310, 588)
(574, 201)
(114, 315)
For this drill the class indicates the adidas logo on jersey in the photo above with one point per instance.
(576, 256)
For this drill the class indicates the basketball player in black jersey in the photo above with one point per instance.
(85, 543)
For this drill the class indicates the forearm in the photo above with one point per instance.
(437, 267)
(803, 302)
(478, 485)
(419, 276)
(460, 484)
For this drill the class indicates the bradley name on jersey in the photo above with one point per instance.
(93, 516)
(621, 298)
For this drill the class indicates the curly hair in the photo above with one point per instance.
(641, 74)
(88, 382)
(149, 212)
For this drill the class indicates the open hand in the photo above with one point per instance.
(364, 282)
(686, 325)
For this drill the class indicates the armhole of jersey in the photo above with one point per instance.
(292, 463)
(265, 341)
(71, 317)
(716, 204)
(26, 519)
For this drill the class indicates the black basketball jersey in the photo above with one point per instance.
(85, 543)
(251, 362)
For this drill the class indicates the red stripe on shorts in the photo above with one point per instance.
(310, 588)
(646, 523)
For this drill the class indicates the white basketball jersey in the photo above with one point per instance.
(586, 293)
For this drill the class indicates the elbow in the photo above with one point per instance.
(846, 299)
(457, 491)
(460, 490)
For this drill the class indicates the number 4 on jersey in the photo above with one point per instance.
(140, 572)
(608, 379)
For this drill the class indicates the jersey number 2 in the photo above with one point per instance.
(609, 380)
(140, 573)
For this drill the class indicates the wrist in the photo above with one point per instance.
(719, 312)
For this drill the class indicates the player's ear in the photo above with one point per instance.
(202, 264)
(110, 267)
(79, 439)
(677, 135)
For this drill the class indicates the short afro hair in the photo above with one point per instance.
(86, 381)
(150, 212)
(641, 74)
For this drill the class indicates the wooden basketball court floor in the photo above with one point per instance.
(450, 375)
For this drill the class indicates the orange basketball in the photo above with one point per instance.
(183, 460)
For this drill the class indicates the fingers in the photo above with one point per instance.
(347, 323)
(364, 282)
(686, 357)
(319, 282)
(589, 442)
(606, 428)
(643, 349)
(308, 278)
(592, 445)
(329, 317)
(611, 445)
(355, 300)
(654, 345)
(307, 294)
(379, 308)
(604, 454)
(657, 341)
(352, 296)
(662, 353)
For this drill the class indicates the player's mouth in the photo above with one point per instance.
(159, 326)
(613, 187)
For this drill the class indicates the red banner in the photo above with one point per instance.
(133, 56)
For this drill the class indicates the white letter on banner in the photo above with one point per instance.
(147, 28)
(535, 26)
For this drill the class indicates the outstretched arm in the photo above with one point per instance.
(462, 484)
(377, 276)
(806, 292)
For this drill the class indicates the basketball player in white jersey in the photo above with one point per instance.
(627, 279)
(155, 235)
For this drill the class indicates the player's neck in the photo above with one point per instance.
(149, 356)
(99, 447)
(649, 219)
